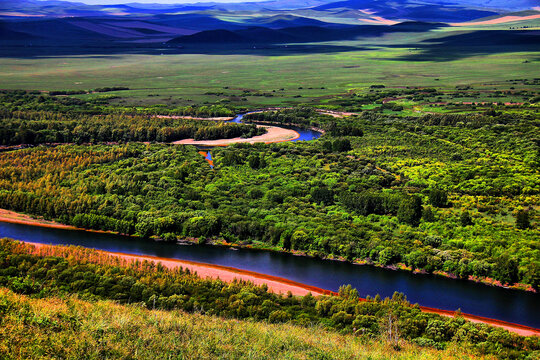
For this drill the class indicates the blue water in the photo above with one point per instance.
(305, 134)
(498, 303)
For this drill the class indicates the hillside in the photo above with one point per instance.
(59, 271)
(300, 34)
(72, 328)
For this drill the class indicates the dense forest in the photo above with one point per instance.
(21, 100)
(452, 194)
(54, 271)
(30, 127)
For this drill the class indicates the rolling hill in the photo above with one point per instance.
(301, 34)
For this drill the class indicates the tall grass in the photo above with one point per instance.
(70, 328)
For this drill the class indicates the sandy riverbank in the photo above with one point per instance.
(17, 218)
(225, 273)
(281, 285)
(273, 134)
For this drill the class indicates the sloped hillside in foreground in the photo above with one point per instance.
(70, 328)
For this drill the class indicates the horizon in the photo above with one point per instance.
(160, 2)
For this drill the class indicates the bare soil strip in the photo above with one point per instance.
(225, 273)
(17, 218)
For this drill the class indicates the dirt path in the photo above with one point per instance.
(515, 328)
(273, 134)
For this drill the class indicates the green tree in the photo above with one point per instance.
(410, 210)
(522, 220)
(438, 198)
(465, 219)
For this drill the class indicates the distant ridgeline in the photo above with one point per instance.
(301, 34)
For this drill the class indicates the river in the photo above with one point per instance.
(305, 134)
(434, 291)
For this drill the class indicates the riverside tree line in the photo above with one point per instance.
(93, 275)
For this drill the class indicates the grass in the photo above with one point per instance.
(71, 328)
(185, 79)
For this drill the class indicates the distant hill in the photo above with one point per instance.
(426, 10)
(491, 38)
(404, 9)
(260, 35)
(211, 36)
(14, 35)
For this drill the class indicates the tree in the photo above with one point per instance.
(322, 195)
(438, 198)
(465, 219)
(286, 239)
(506, 269)
(410, 210)
(428, 215)
(341, 145)
(522, 220)
(254, 162)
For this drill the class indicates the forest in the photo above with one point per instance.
(29, 127)
(96, 276)
(449, 194)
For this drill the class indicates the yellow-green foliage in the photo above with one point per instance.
(75, 329)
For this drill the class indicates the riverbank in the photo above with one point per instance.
(23, 219)
(273, 134)
(18, 218)
(225, 273)
(275, 284)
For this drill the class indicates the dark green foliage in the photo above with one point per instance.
(257, 161)
(156, 287)
(341, 145)
(322, 195)
(428, 215)
(522, 220)
(506, 269)
(410, 210)
(371, 202)
(465, 219)
(438, 198)
(336, 129)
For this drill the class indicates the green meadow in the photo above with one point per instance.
(258, 79)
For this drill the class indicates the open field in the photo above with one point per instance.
(253, 79)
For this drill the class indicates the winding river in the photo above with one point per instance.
(493, 302)
(428, 290)
(305, 134)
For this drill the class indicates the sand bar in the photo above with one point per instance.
(273, 134)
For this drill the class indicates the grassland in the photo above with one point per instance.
(70, 328)
(287, 78)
